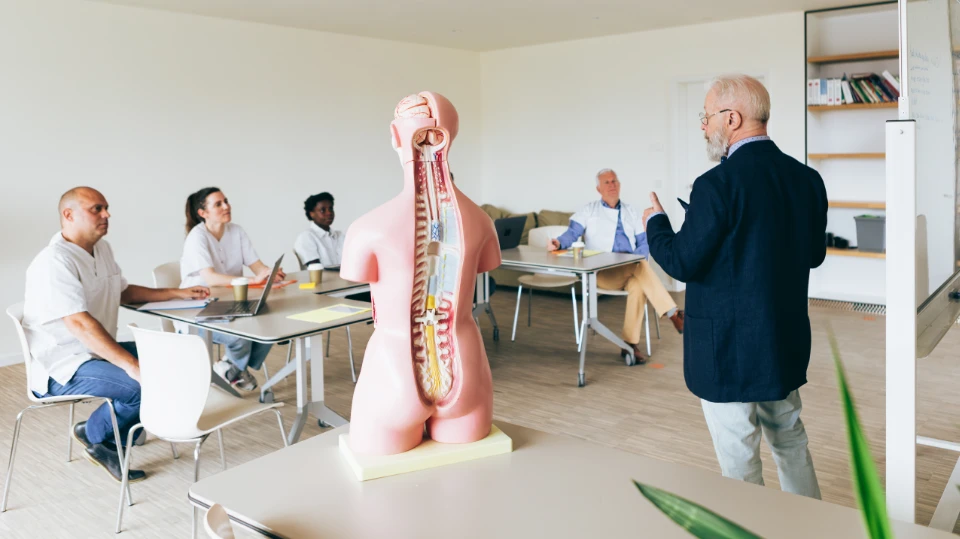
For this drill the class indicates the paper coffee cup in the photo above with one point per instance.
(240, 288)
(577, 248)
(316, 273)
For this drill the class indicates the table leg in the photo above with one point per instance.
(310, 403)
(602, 329)
(301, 365)
(483, 303)
(585, 283)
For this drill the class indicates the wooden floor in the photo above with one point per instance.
(643, 409)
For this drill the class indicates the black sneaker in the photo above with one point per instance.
(80, 434)
(109, 460)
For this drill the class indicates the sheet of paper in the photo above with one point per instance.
(569, 254)
(174, 305)
(328, 314)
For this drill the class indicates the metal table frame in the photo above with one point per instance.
(588, 280)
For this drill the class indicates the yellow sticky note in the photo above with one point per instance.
(328, 314)
(306, 286)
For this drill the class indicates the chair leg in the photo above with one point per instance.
(353, 369)
(516, 313)
(196, 476)
(283, 435)
(173, 447)
(328, 344)
(576, 321)
(266, 373)
(530, 307)
(223, 453)
(125, 470)
(646, 322)
(119, 445)
(13, 454)
(70, 434)
(657, 319)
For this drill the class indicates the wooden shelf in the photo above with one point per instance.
(855, 57)
(858, 205)
(818, 108)
(854, 252)
(879, 155)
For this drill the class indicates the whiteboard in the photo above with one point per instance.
(929, 83)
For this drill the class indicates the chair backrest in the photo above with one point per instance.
(15, 312)
(299, 261)
(167, 276)
(217, 523)
(174, 381)
(541, 235)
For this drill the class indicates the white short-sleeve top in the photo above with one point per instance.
(202, 250)
(65, 279)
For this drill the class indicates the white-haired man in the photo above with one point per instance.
(753, 230)
(612, 225)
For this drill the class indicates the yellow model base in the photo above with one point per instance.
(429, 454)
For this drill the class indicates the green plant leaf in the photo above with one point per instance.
(696, 519)
(870, 494)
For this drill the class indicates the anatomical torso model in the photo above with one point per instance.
(425, 364)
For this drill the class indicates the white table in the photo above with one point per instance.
(550, 486)
(272, 326)
(525, 258)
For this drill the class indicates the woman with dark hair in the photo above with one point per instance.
(214, 253)
(318, 243)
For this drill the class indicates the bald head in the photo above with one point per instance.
(84, 215)
(72, 198)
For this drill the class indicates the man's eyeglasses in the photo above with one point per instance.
(704, 117)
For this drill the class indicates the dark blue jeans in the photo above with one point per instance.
(104, 379)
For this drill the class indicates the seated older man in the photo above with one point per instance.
(73, 294)
(614, 226)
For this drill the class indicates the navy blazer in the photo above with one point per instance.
(754, 229)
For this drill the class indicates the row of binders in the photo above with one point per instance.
(858, 88)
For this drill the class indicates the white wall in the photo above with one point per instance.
(148, 106)
(555, 114)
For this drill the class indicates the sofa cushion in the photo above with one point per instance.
(553, 218)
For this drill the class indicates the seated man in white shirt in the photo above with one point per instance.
(614, 226)
(73, 294)
(318, 243)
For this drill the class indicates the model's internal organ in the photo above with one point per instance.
(437, 260)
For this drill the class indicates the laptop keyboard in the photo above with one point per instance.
(240, 307)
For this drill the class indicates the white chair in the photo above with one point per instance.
(168, 276)
(217, 523)
(353, 368)
(16, 313)
(177, 402)
(538, 239)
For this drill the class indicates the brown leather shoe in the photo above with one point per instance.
(677, 320)
(637, 354)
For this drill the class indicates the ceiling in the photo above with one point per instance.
(482, 25)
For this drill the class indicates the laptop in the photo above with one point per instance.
(509, 230)
(233, 309)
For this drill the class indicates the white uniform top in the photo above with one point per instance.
(63, 280)
(315, 243)
(227, 256)
(600, 224)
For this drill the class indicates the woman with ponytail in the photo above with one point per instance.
(214, 253)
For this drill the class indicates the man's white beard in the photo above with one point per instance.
(717, 145)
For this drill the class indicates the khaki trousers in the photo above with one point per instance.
(640, 283)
